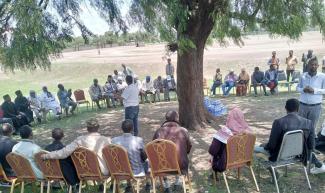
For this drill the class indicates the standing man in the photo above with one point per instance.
(274, 60)
(130, 98)
(312, 87)
(291, 62)
(305, 59)
(170, 70)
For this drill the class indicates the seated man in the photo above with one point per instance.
(93, 141)
(27, 148)
(135, 148)
(271, 78)
(22, 105)
(243, 80)
(118, 75)
(229, 83)
(36, 106)
(217, 81)
(4, 120)
(49, 103)
(158, 84)
(95, 92)
(148, 88)
(10, 111)
(66, 102)
(292, 121)
(110, 91)
(6, 145)
(257, 79)
(169, 85)
(171, 130)
(68, 169)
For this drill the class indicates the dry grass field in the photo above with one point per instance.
(77, 69)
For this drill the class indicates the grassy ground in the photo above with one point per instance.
(151, 116)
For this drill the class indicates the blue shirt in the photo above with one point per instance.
(27, 148)
(133, 145)
(317, 82)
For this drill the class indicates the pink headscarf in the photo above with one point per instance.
(236, 121)
(236, 124)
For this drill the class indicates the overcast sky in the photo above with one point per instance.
(94, 22)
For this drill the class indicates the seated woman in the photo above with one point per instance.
(243, 79)
(235, 125)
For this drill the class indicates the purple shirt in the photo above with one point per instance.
(231, 78)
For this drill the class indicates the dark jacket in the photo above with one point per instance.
(257, 77)
(290, 122)
(179, 135)
(268, 75)
(67, 167)
(6, 144)
(219, 153)
(9, 110)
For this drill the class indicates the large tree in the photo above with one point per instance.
(32, 31)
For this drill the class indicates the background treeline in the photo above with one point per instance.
(110, 39)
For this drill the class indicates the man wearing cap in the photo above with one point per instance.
(36, 106)
(274, 60)
(170, 70)
(311, 88)
(130, 97)
(229, 82)
(94, 141)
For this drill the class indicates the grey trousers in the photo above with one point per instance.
(312, 113)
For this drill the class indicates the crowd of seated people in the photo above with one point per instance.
(169, 130)
(258, 78)
(25, 110)
(95, 142)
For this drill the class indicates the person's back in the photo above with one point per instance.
(68, 169)
(6, 145)
(93, 141)
(27, 148)
(171, 130)
(134, 146)
(291, 122)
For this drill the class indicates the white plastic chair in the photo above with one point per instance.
(291, 147)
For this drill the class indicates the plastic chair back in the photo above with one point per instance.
(292, 145)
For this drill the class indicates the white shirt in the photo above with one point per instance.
(148, 86)
(130, 96)
(317, 82)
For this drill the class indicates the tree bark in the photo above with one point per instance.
(190, 88)
(192, 113)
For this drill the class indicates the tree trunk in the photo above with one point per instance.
(190, 88)
(192, 113)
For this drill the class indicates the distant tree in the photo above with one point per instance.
(38, 33)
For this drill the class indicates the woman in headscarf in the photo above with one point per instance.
(235, 125)
(242, 84)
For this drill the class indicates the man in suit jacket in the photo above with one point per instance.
(6, 144)
(292, 121)
(93, 141)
